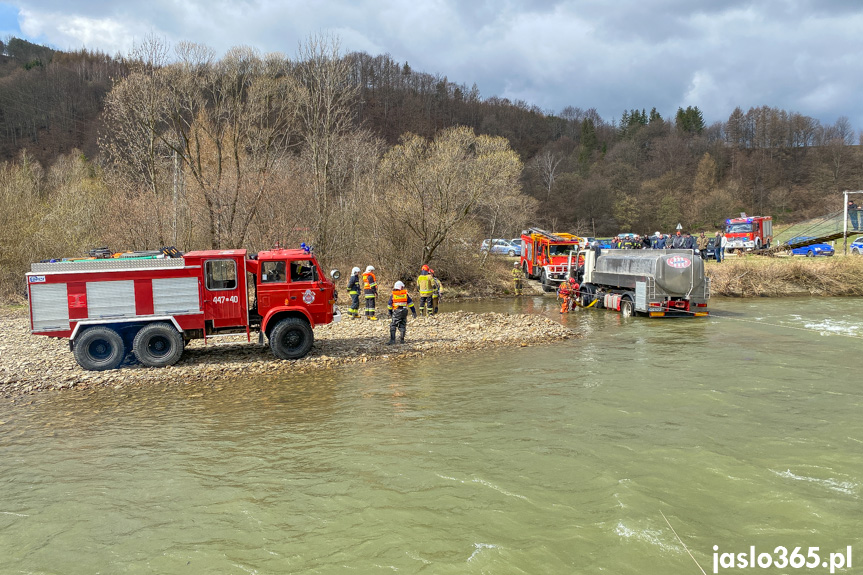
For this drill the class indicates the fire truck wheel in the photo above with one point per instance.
(99, 348)
(292, 338)
(626, 307)
(158, 345)
(543, 279)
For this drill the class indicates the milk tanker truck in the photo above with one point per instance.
(652, 283)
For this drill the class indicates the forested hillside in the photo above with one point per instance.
(366, 157)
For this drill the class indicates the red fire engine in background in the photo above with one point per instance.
(544, 255)
(748, 232)
(153, 307)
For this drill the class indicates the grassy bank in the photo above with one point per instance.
(758, 276)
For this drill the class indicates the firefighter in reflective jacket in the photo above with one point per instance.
(568, 290)
(516, 278)
(425, 285)
(398, 307)
(354, 287)
(370, 290)
(438, 288)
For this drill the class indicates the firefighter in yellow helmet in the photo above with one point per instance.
(370, 290)
(398, 307)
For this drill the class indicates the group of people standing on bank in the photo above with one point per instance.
(678, 241)
(400, 301)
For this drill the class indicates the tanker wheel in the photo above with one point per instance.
(627, 309)
(292, 338)
(524, 269)
(586, 296)
(99, 348)
(158, 345)
(543, 279)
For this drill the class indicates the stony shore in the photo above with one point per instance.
(30, 363)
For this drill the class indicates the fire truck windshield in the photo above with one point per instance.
(561, 249)
(738, 228)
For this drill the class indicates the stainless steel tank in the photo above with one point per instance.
(675, 272)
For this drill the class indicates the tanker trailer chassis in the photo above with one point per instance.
(652, 283)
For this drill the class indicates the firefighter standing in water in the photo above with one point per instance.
(354, 287)
(516, 278)
(398, 306)
(568, 290)
(370, 290)
(436, 291)
(425, 285)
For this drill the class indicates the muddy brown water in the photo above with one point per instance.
(744, 429)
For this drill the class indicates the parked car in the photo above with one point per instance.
(856, 246)
(810, 250)
(499, 246)
(515, 242)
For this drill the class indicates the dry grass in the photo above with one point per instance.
(758, 276)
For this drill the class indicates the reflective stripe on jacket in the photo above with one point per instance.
(425, 285)
(370, 282)
(400, 299)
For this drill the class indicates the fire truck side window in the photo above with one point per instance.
(221, 274)
(302, 271)
(272, 272)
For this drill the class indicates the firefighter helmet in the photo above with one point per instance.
(370, 269)
(399, 285)
(425, 268)
(356, 270)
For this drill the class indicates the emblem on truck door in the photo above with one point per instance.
(308, 296)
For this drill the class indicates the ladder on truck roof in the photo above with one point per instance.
(106, 264)
(550, 235)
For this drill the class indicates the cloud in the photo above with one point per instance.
(799, 55)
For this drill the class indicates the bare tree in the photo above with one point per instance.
(546, 165)
(326, 113)
(432, 187)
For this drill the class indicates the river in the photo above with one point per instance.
(743, 429)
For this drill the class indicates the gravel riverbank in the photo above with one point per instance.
(30, 363)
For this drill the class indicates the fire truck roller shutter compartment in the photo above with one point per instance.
(175, 295)
(50, 307)
(111, 299)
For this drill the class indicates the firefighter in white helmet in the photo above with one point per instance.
(354, 287)
(516, 278)
(398, 307)
(370, 290)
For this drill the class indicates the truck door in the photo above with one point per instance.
(306, 289)
(225, 292)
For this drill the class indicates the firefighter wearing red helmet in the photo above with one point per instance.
(425, 285)
(568, 290)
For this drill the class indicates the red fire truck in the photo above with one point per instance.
(544, 255)
(153, 307)
(748, 232)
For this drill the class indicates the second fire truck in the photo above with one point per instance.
(544, 255)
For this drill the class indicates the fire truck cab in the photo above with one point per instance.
(748, 232)
(544, 255)
(154, 306)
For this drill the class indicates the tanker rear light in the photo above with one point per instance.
(657, 314)
(701, 305)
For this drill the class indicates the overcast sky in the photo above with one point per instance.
(613, 55)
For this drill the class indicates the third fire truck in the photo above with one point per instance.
(748, 232)
(544, 255)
